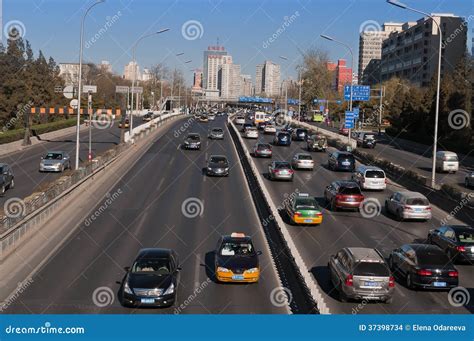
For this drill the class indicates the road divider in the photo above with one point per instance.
(20, 217)
(301, 290)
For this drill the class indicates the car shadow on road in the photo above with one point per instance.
(323, 277)
(209, 261)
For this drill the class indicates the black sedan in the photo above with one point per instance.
(217, 165)
(423, 266)
(152, 280)
(192, 141)
(457, 241)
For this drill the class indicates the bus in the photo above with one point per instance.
(317, 116)
(259, 117)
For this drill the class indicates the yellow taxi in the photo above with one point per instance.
(304, 210)
(236, 259)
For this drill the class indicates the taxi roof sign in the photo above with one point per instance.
(303, 195)
(238, 235)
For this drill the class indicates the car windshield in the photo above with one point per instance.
(2, 169)
(263, 146)
(306, 203)
(369, 137)
(350, 190)
(304, 157)
(235, 248)
(53, 156)
(283, 135)
(466, 237)
(218, 159)
(374, 174)
(217, 130)
(417, 201)
(371, 269)
(160, 266)
(345, 158)
(301, 131)
(432, 257)
(451, 158)
(193, 137)
(282, 165)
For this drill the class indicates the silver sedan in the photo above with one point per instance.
(56, 161)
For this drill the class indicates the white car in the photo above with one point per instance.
(302, 161)
(240, 120)
(251, 133)
(211, 117)
(269, 129)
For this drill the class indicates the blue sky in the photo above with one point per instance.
(242, 26)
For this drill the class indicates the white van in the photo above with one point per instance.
(447, 162)
(369, 177)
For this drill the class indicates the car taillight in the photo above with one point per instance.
(460, 248)
(339, 197)
(276, 171)
(453, 274)
(423, 272)
(391, 282)
(349, 281)
(408, 208)
(319, 214)
(298, 214)
(291, 171)
(386, 180)
(428, 208)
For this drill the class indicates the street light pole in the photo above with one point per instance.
(438, 86)
(135, 71)
(286, 87)
(81, 49)
(352, 70)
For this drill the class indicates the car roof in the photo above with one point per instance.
(365, 254)
(229, 238)
(456, 228)
(344, 153)
(425, 247)
(193, 134)
(446, 152)
(216, 155)
(55, 152)
(154, 253)
(366, 168)
(3, 164)
(411, 195)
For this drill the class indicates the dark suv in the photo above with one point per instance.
(361, 273)
(341, 161)
(300, 134)
(282, 139)
(7, 179)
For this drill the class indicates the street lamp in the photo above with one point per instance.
(78, 124)
(135, 71)
(438, 87)
(352, 68)
(286, 87)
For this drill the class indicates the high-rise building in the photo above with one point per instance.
(214, 51)
(246, 88)
(130, 69)
(106, 66)
(267, 79)
(197, 81)
(413, 52)
(146, 76)
(342, 74)
(69, 72)
(370, 48)
(214, 63)
(229, 80)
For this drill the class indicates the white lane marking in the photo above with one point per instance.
(179, 147)
(197, 271)
(160, 184)
(171, 161)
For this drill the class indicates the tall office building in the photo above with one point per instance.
(129, 70)
(69, 72)
(413, 52)
(211, 51)
(370, 48)
(342, 74)
(106, 66)
(246, 88)
(229, 80)
(214, 63)
(267, 79)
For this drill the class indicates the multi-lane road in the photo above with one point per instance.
(25, 163)
(149, 213)
(343, 229)
(421, 162)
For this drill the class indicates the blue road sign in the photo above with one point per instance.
(359, 92)
(356, 113)
(349, 120)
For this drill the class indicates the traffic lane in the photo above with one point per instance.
(149, 214)
(342, 229)
(25, 164)
(420, 163)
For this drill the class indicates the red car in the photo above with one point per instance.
(343, 194)
(344, 131)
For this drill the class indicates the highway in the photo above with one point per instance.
(148, 213)
(421, 163)
(343, 229)
(25, 163)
